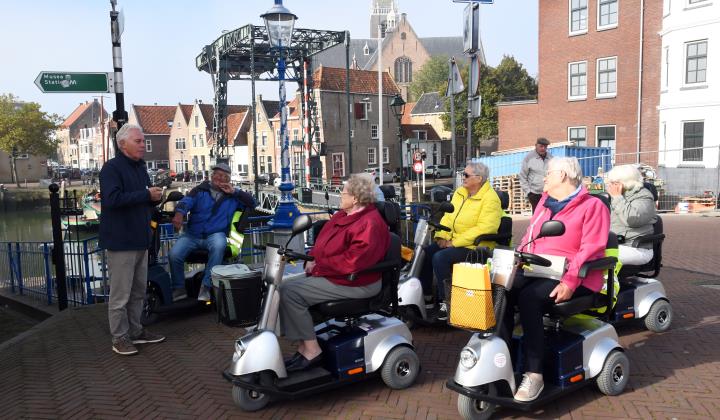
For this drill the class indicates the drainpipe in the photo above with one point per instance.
(640, 79)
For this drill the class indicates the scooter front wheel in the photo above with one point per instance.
(249, 400)
(474, 409)
(401, 368)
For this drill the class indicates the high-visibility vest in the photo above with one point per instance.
(235, 238)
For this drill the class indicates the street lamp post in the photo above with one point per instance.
(279, 23)
(397, 104)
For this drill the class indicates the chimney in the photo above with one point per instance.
(402, 17)
(200, 101)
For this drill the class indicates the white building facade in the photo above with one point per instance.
(689, 110)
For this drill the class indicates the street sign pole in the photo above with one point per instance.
(120, 116)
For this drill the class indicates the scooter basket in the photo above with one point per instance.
(238, 297)
(471, 309)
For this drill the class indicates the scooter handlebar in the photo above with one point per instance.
(292, 255)
(528, 258)
(438, 226)
(259, 247)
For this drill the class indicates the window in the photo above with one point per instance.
(606, 77)
(262, 164)
(278, 138)
(352, 134)
(693, 132)
(179, 165)
(361, 110)
(606, 137)
(403, 70)
(666, 7)
(180, 143)
(372, 156)
(577, 80)
(296, 134)
(578, 16)
(366, 50)
(194, 140)
(607, 14)
(263, 141)
(420, 134)
(374, 131)
(197, 121)
(259, 117)
(148, 146)
(577, 135)
(696, 62)
(202, 140)
(269, 164)
(386, 155)
(338, 162)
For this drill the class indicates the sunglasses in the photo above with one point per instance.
(467, 175)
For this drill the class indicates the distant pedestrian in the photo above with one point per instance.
(127, 201)
(532, 172)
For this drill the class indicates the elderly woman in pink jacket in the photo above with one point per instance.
(587, 225)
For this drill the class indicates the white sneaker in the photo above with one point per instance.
(530, 388)
(443, 312)
(179, 294)
(204, 294)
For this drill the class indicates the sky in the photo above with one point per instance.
(162, 38)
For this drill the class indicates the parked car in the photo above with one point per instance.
(267, 178)
(388, 176)
(438, 171)
(185, 176)
(239, 177)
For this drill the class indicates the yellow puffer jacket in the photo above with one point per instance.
(473, 216)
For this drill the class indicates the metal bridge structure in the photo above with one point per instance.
(246, 54)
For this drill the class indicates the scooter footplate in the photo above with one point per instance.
(297, 384)
(549, 393)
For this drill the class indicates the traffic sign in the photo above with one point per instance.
(417, 156)
(417, 167)
(74, 82)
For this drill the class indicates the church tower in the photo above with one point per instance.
(383, 13)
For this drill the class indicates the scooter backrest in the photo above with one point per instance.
(390, 212)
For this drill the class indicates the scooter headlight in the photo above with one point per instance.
(468, 358)
(239, 350)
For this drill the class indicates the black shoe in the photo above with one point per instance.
(293, 359)
(302, 363)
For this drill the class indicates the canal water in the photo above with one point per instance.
(26, 225)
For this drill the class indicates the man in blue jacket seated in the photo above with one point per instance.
(211, 206)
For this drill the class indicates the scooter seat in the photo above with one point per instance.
(343, 308)
(200, 256)
(578, 305)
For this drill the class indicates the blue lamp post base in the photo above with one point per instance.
(286, 210)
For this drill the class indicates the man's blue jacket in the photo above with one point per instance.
(125, 207)
(208, 216)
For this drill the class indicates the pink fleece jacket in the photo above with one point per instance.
(587, 225)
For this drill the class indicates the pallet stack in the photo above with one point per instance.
(511, 184)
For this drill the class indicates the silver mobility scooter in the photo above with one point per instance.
(410, 292)
(579, 350)
(360, 338)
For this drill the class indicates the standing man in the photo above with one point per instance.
(532, 172)
(211, 206)
(127, 200)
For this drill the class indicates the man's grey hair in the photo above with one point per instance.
(124, 132)
(570, 166)
(478, 168)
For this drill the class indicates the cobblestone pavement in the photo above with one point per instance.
(64, 367)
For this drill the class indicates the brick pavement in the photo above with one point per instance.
(64, 367)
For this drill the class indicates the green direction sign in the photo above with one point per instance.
(74, 82)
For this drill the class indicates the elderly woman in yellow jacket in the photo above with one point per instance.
(477, 212)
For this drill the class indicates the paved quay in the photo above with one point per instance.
(64, 368)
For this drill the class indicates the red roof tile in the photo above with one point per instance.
(186, 112)
(233, 124)
(208, 110)
(154, 118)
(406, 114)
(361, 81)
(76, 114)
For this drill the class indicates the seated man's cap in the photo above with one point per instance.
(221, 167)
(543, 140)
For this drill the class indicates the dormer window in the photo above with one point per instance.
(366, 50)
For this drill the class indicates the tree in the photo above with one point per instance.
(508, 81)
(25, 129)
(432, 77)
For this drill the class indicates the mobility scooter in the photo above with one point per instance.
(579, 351)
(360, 338)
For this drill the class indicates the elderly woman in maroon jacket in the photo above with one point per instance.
(355, 238)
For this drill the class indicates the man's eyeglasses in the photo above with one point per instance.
(467, 175)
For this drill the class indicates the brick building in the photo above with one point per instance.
(598, 84)
(156, 122)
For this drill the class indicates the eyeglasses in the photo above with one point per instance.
(467, 175)
(551, 171)
(345, 193)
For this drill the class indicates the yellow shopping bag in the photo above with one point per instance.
(471, 305)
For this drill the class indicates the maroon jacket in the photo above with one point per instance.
(348, 244)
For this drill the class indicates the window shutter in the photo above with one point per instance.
(359, 110)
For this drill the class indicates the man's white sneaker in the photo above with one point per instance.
(204, 294)
(530, 388)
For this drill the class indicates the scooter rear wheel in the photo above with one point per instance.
(249, 400)
(474, 409)
(401, 368)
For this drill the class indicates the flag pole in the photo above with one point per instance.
(451, 91)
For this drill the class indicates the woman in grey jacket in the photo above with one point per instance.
(632, 212)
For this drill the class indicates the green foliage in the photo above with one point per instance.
(506, 82)
(431, 77)
(26, 129)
